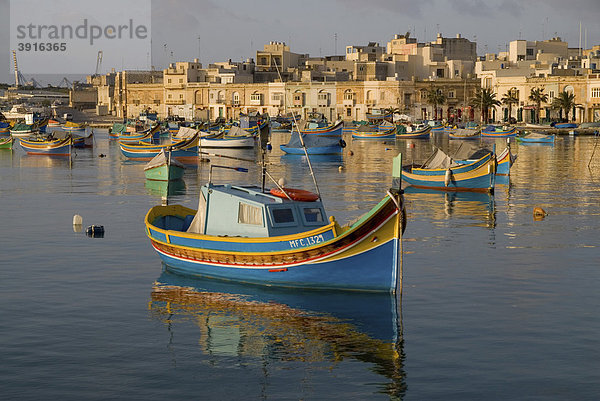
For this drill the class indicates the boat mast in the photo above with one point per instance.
(312, 173)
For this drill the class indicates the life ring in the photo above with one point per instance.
(295, 194)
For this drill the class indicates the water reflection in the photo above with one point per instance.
(284, 325)
(165, 188)
(476, 206)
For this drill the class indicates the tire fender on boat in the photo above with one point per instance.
(448, 177)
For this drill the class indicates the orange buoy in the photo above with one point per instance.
(539, 213)
(295, 194)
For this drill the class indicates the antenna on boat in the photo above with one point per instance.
(312, 173)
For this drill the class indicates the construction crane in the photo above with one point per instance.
(66, 82)
(98, 63)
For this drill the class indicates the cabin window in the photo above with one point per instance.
(282, 216)
(248, 214)
(313, 215)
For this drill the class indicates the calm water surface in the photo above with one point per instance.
(495, 305)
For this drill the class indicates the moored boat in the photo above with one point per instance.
(499, 132)
(280, 238)
(184, 150)
(164, 168)
(6, 142)
(442, 173)
(374, 132)
(45, 146)
(414, 132)
(536, 137)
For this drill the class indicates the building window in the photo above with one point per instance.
(180, 80)
(595, 92)
(181, 95)
(348, 95)
(169, 80)
(170, 96)
(551, 95)
(255, 97)
(323, 96)
(451, 95)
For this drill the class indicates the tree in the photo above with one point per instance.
(538, 96)
(484, 99)
(511, 97)
(564, 101)
(435, 97)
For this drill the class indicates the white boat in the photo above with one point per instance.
(19, 112)
(235, 137)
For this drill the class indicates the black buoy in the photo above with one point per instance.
(95, 231)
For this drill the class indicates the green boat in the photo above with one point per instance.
(163, 167)
(6, 142)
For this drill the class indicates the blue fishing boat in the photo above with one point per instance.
(494, 131)
(564, 125)
(421, 131)
(4, 129)
(184, 150)
(535, 137)
(281, 237)
(374, 132)
(441, 172)
(321, 128)
(45, 146)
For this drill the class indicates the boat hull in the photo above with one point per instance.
(51, 148)
(500, 134)
(420, 134)
(165, 172)
(6, 142)
(387, 134)
(478, 176)
(247, 142)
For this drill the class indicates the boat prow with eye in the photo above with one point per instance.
(280, 238)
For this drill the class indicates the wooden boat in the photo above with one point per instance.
(535, 137)
(248, 234)
(184, 150)
(23, 130)
(436, 126)
(314, 144)
(505, 161)
(50, 147)
(565, 125)
(442, 173)
(164, 168)
(74, 127)
(4, 129)
(464, 133)
(466, 154)
(414, 132)
(379, 116)
(373, 132)
(116, 130)
(6, 142)
(309, 128)
(148, 135)
(234, 137)
(498, 132)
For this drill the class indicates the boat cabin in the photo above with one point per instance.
(246, 211)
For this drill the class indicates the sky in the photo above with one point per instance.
(213, 31)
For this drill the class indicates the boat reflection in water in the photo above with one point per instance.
(280, 324)
(165, 188)
(477, 206)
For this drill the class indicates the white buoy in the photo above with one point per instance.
(448, 177)
(77, 220)
(340, 168)
(282, 182)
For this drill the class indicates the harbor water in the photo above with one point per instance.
(495, 304)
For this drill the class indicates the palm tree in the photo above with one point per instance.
(435, 97)
(538, 96)
(485, 99)
(511, 97)
(564, 101)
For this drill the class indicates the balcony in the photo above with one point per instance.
(349, 102)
